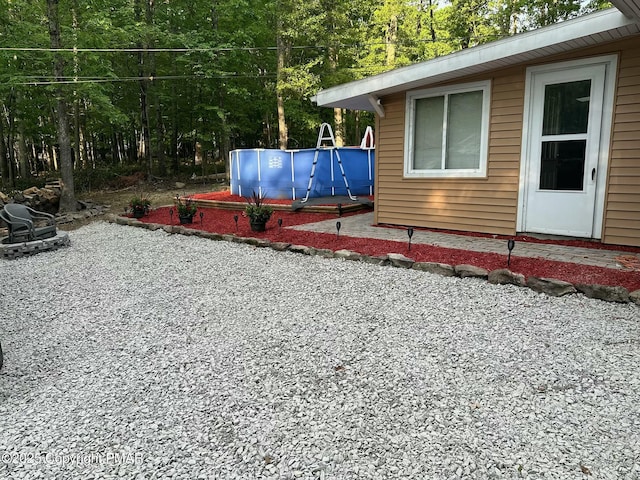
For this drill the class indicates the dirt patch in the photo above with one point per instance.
(160, 194)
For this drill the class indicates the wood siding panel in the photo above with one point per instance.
(490, 204)
(476, 204)
(622, 204)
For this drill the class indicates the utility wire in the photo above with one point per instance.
(135, 79)
(240, 49)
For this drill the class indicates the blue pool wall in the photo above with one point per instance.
(284, 174)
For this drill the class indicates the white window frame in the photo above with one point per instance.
(481, 171)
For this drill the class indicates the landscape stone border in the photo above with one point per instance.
(11, 251)
(502, 276)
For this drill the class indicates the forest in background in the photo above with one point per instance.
(95, 86)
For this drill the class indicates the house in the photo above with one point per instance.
(539, 133)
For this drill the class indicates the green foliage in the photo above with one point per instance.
(217, 87)
(186, 206)
(256, 209)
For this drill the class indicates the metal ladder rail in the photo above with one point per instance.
(344, 176)
(322, 138)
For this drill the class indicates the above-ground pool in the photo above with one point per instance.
(285, 173)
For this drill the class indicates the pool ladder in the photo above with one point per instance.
(322, 137)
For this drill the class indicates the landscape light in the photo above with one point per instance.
(510, 244)
(339, 209)
(201, 217)
(279, 225)
(338, 225)
(410, 233)
(235, 219)
(171, 215)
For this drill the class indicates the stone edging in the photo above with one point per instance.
(11, 251)
(503, 276)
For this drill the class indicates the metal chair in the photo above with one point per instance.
(21, 221)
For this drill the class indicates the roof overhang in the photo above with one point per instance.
(589, 30)
(630, 8)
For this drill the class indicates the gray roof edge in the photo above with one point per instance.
(394, 80)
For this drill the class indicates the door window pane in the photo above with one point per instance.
(562, 165)
(464, 130)
(566, 108)
(427, 154)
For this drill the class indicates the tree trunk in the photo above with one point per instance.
(338, 118)
(144, 100)
(11, 146)
(68, 201)
(391, 39)
(7, 177)
(23, 155)
(283, 134)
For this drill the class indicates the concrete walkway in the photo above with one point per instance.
(361, 226)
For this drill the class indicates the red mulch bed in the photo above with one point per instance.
(222, 222)
(526, 238)
(226, 196)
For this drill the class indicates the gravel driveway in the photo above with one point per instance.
(136, 354)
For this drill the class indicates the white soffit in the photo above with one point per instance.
(631, 8)
(580, 32)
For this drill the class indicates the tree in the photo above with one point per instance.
(68, 201)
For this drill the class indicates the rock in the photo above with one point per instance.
(375, 260)
(180, 185)
(210, 235)
(399, 260)
(347, 255)
(324, 252)
(635, 297)
(256, 242)
(153, 226)
(550, 286)
(280, 246)
(472, 271)
(502, 276)
(433, 267)
(604, 292)
(301, 249)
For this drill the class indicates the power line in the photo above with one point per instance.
(136, 79)
(243, 49)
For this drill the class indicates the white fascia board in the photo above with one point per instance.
(355, 95)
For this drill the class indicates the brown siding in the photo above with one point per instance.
(622, 203)
(490, 204)
(478, 204)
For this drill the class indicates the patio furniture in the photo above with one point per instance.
(26, 224)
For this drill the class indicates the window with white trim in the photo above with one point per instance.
(447, 131)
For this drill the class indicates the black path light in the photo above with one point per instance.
(235, 219)
(510, 244)
(410, 233)
(201, 217)
(280, 225)
(338, 225)
(339, 209)
(171, 215)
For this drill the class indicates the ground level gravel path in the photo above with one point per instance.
(137, 354)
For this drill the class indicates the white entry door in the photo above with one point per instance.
(564, 134)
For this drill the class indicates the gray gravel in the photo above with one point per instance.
(135, 354)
